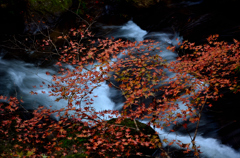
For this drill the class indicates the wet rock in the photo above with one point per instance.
(195, 20)
(141, 3)
(225, 113)
(174, 153)
(143, 128)
(42, 14)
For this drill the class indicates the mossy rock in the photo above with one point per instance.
(50, 6)
(142, 3)
(147, 130)
(130, 123)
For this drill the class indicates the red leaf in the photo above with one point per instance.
(185, 125)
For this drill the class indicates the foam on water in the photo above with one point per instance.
(210, 147)
(21, 76)
(129, 30)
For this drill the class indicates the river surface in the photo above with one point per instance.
(17, 78)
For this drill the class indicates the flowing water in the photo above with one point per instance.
(17, 78)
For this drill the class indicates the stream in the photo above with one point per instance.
(17, 78)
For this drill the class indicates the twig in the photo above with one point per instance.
(195, 134)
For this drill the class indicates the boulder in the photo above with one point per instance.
(50, 6)
(44, 13)
(195, 20)
(142, 3)
(144, 129)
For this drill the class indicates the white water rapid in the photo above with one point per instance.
(17, 78)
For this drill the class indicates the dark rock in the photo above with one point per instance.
(143, 128)
(174, 153)
(43, 14)
(225, 112)
(194, 20)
